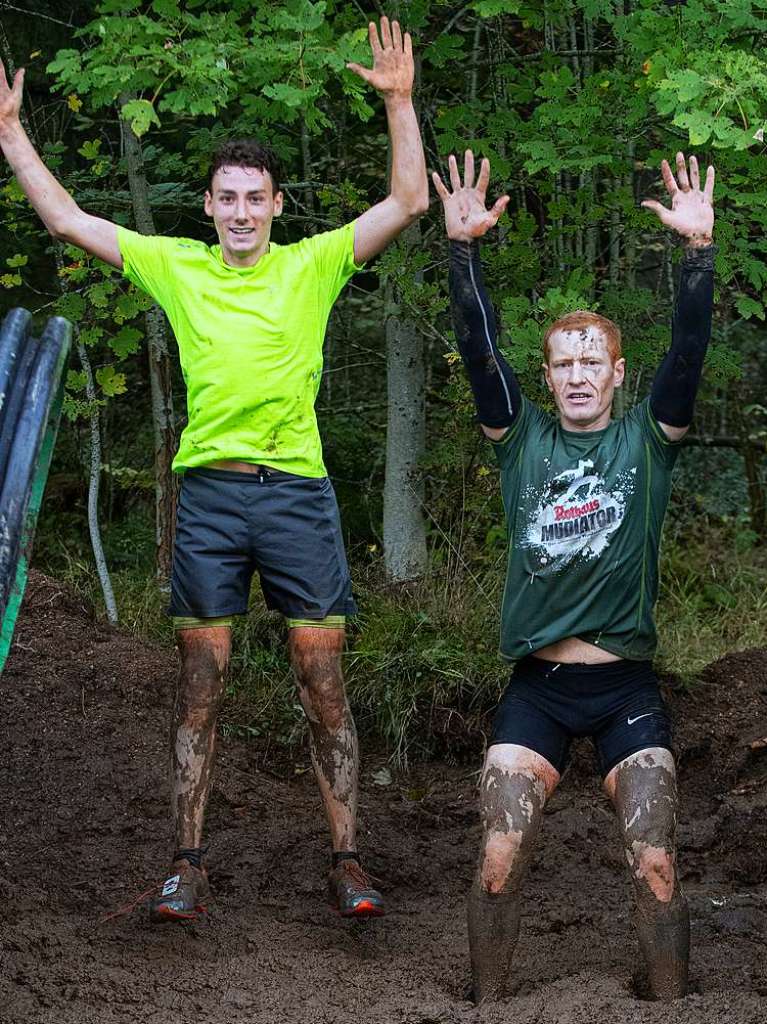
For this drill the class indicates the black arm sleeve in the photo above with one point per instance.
(496, 390)
(676, 383)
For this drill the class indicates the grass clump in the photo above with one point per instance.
(713, 600)
(419, 654)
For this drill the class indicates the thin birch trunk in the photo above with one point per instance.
(94, 480)
(404, 526)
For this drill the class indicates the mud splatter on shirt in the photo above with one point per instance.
(584, 512)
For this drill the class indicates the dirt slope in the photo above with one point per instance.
(83, 829)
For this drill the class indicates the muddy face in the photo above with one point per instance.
(582, 378)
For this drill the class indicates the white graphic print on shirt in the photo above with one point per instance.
(575, 515)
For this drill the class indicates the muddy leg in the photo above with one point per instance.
(315, 654)
(204, 659)
(643, 790)
(516, 782)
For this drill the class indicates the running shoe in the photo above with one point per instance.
(182, 897)
(350, 892)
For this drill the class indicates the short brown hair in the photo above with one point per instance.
(580, 319)
(246, 153)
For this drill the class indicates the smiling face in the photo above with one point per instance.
(242, 203)
(582, 376)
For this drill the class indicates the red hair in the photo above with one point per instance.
(580, 319)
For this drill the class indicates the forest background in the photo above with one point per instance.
(575, 102)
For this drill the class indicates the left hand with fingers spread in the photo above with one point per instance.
(692, 211)
(393, 68)
(466, 215)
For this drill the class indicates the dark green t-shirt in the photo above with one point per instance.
(584, 513)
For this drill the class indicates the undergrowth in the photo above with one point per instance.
(431, 648)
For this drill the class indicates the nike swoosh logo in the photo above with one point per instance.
(632, 720)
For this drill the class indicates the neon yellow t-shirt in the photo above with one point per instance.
(250, 342)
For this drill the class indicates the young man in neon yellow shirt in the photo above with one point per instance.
(249, 317)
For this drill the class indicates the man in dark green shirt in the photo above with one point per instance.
(585, 497)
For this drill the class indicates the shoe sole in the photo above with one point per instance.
(161, 915)
(362, 910)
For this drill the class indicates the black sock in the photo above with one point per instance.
(344, 855)
(194, 855)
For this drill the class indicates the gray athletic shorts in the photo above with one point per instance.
(284, 527)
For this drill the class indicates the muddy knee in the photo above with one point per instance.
(201, 683)
(646, 801)
(511, 804)
(324, 701)
(654, 869)
(317, 668)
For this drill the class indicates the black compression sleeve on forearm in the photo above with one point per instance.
(672, 398)
(496, 390)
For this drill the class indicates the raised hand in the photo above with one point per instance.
(393, 69)
(10, 97)
(466, 215)
(692, 210)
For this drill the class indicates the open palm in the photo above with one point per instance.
(393, 67)
(10, 96)
(466, 213)
(692, 210)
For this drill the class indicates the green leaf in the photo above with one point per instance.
(100, 295)
(492, 8)
(111, 381)
(166, 8)
(126, 342)
(141, 114)
(71, 305)
(65, 63)
(17, 261)
(699, 125)
(90, 335)
(90, 150)
(127, 307)
(687, 84)
(14, 192)
(77, 380)
(445, 49)
(290, 95)
(748, 307)
(10, 280)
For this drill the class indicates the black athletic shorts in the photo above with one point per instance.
(617, 704)
(284, 527)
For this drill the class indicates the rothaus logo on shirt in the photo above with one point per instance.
(575, 515)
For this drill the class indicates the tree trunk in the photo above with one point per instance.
(94, 479)
(404, 529)
(159, 370)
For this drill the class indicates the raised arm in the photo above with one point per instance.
(691, 215)
(57, 209)
(392, 75)
(493, 383)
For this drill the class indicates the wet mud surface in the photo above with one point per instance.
(84, 829)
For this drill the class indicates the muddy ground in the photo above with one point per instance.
(84, 829)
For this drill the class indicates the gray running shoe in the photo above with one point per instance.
(183, 893)
(350, 892)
